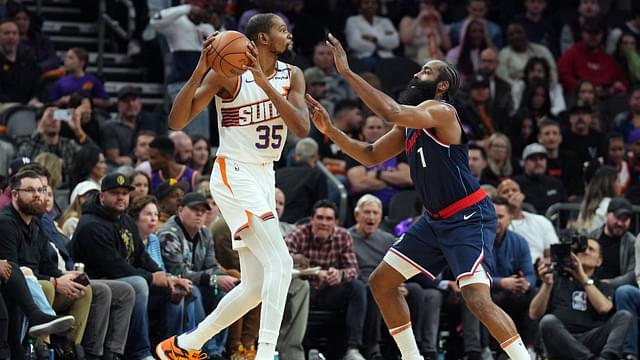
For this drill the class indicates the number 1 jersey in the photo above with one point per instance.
(251, 129)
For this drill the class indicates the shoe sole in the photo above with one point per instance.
(160, 353)
(56, 326)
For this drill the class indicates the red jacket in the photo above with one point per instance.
(579, 63)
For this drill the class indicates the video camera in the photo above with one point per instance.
(570, 242)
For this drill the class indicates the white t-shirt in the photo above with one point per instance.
(537, 230)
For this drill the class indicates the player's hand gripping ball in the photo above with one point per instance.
(228, 54)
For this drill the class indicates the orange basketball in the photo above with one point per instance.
(228, 55)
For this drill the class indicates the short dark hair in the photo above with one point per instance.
(483, 152)
(163, 144)
(325, 204)
(143, 133)
(38, 169)
(259, 23)
(500, 200)
(16, 179)
(345, 105)
(545, 122)
(139, 203)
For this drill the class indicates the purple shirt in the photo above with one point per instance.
(67, 85)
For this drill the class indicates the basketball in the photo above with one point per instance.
(228, 54)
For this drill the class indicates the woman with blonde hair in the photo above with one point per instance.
(600, 190)
(80, 194)
(53, 163)
(499, 161)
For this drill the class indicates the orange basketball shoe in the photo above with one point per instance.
(169, 350)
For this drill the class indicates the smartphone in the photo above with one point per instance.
(82, 279)
(62, 115)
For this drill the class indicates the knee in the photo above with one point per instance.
(101, 293)
(623, 317)
(358, 287)
(626, 293)
(433, 297)
(140, 287)
(549, 322)
(127, 293)
(477, 300)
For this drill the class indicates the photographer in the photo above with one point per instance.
(617, 245)
(576, 308)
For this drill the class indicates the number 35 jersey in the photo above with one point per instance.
(251, 129)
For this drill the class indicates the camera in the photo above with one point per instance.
(570, 242)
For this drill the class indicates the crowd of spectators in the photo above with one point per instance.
(550, 104)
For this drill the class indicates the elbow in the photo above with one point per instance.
(534, 315)
(302, 131)
(605, 309)
(174, 122)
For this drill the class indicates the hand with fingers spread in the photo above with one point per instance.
(339, 55)
(254, 66)
(319, 114)
(207, 49)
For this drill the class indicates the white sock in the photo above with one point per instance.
(403, 336)
(515, 348)
(266, 351)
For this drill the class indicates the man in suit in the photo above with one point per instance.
(500, 89)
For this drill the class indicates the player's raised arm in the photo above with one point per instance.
(417, 117)
(292, 108)
(389, 145)
(197, 92)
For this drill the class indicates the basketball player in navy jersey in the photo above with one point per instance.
(459, 226)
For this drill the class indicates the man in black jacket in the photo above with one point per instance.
(540, 189)
(108, 243)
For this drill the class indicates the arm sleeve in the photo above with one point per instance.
(98, 89)
(293, 240)
(109, 138)
(388, 38)
(355, 41)
(9, 243)
(56, 92)
(46, 268)
(163, 19)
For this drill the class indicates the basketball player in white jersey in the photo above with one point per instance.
(254, 112)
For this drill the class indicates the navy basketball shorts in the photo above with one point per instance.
(463, 241)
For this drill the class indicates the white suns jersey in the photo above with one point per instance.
(251, 129)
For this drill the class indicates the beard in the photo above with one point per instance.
(31, 208)
(417, 92)
(287, 56)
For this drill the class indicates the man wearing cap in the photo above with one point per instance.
(540, 189)
(188, 251)
(170, 194)
(588, 60)
(316, 81)
(108, 243)
(580, 137)
(478, 115)
(118, 134)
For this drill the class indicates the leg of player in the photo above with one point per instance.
(384, 283)
(234, 305)
(266, 242)
(478, 299)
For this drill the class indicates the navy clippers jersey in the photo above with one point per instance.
(440, 171)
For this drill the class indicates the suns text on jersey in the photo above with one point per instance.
(249, 114)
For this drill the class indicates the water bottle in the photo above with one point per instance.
(276, 356)
(314, 354)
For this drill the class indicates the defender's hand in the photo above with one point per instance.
(319, 114)
(339, 55)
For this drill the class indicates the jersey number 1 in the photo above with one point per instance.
(421, 153)
(269, 136)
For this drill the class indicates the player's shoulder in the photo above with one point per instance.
(438, 105)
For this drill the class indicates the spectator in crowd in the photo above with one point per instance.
(585, 94)
(633, 194)
(88, 164)
(513, 277)
(500, 89)
(185, 27)
(162, 158)
(424, 36)
(281, 200)
(499, 159)
(80, 194)
(141, 149)
(337, 88)
(473, 40)
(15, 166)
(525, 126)
(599, 192)
(169, 194)
(539, 30)
(118, 134)
(28, 246)
(537, 68)
(627, 297)
(514, 57)
(540, 189)
(54, 165)
(317, 86)
(571, 32)
(303, 183)
(188, 251)
(107, 242)
(370, 245)
(47, 139)
(536, 229)
(211, 215)
(587, 59)
(476, 10)
(322, 243)
(616, 157)
(80, 102)
(184, 146)
(7, 153)
(477, 162)
(141, 184)
(574, 310)
(34, 43)
(617, 245)
(580, 137)
(480, 117)
(201, 159)
(631, 26)
(19, 73)
(220, 20)
(383, 180)
(625, 122)
(371, 37)
(627, 56)
(144, 211)
(562, 163)
(75, 65)
(261, 7)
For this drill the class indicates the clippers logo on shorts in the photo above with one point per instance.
(251, 129)
(579, 301)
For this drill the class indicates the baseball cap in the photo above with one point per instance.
(533, 149)
(194, 199)
(167, 186)
(17, 164)
(593, 25)
(129, 90)
(478, 81)
(82, 188)
(579, 108)
(620, 206)
(633, 136)
(114, 181)
(314, 75)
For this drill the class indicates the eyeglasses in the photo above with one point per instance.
(32, 191)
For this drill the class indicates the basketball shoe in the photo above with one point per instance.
(169, 350)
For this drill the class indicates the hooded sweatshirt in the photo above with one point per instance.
(110, 246)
